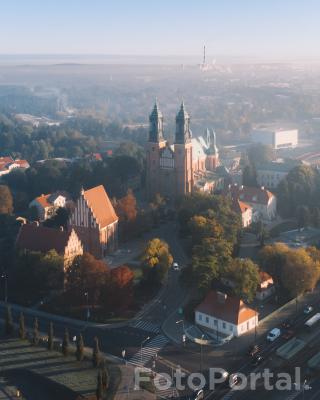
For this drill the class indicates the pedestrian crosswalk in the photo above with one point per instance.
(147, 326)
(150, 349)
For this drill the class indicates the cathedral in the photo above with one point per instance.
(174, 170)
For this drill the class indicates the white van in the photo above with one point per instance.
(273, 334)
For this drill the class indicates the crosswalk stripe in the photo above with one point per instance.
(147, 326)
(149, 350)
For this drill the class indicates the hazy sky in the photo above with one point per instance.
(161, 27)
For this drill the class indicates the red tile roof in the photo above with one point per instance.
(250, 194)
(40, 238)
(240, 206)
(44, 200)
(227, 308)
(100, 204)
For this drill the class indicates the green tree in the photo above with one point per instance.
(244, 275)
(22, 330)
(96, 355)
(80, 348)
(50, 336)
(9, 328)
(272, 259)
(6, 200)
(65, 343)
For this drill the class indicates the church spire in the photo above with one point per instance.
(156, 124)
(183, 133)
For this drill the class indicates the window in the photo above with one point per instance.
(223, 325)
(231, 328)
(200, 317)
(215, 322)
(207, 320)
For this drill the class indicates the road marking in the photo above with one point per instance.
(149, 350)
(147, 326)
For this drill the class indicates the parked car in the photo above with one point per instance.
(273, 334)
(257, 360)
(288, 334)
(308, 309)
(253, 350)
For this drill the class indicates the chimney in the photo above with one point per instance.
(222, 297)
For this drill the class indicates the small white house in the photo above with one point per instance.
(225, 315)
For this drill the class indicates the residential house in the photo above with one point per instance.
(95, 221)
(262, 201)
(47, 204)
(7, 164)
(244, 210)
(266, 286)
(66, 243)
(225, 315)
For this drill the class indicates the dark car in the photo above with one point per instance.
(288, 334)
(257, 360)
(286, 324)
(253, 350)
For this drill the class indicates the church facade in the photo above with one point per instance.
(174, 170)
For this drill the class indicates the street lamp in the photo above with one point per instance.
(201, 353)
(183, 335)
(141, 346)
(5, 277)
(86, 294)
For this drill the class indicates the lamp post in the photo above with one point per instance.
(201, 353)
(5, 277)
(141, 347)
(181, 321)
(87, 298)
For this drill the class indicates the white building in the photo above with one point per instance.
(275, 136)
(225, 315)
(271, 174)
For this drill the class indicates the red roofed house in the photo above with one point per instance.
(266, 287)
(244, 210)
(47, 204)
(7, 164)
(33, 237)
(95, 222)
(262, 201)
(227, 315)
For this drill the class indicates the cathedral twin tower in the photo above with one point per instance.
(172, 170)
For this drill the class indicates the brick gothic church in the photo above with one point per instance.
(180, 168)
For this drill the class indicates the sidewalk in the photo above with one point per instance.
(126, 388)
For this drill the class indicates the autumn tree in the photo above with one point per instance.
(156, 260)
(201, 227)
(6, 200)
(272, 259)
(99, 390)
(89, 275)
(300, 272)
(105, 377)
(118, 292)
(244, 275)
(126, 207)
